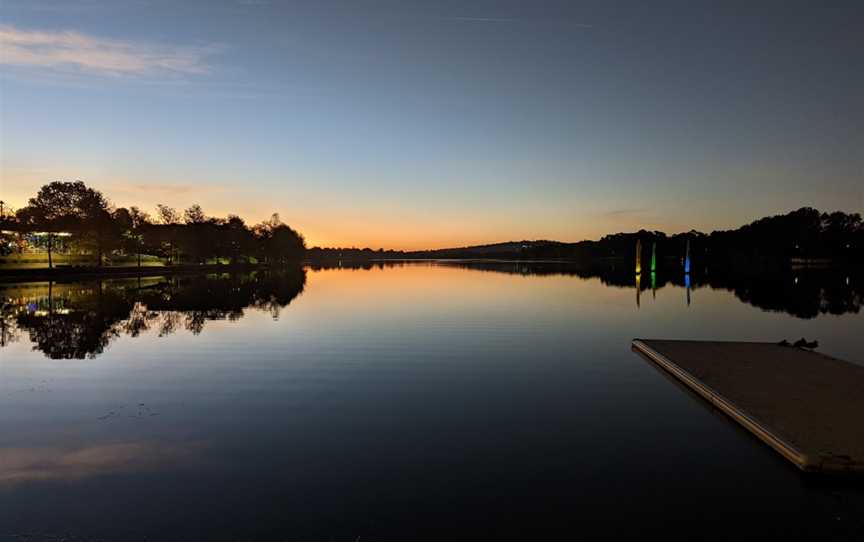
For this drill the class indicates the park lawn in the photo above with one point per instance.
(40, 261)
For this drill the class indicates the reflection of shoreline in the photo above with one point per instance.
(803, 293)
(87, 273)
(80, 319)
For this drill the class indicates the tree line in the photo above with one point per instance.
(65, 214)
(768, 243)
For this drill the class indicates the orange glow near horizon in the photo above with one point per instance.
(387, 223)
(417, 127)
(326, 231)
(329, 225)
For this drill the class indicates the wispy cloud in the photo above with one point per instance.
(148, 194)
(165, 188)
(53, 50)
(468, 19)
(484, 19)
(631, 212)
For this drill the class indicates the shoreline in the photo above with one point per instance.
(89, 272)
(42, 274)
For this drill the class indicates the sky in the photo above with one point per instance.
(406, 125)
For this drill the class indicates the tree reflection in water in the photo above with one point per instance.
(80, 319)
(803, 293)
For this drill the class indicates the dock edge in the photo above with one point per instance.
(786, 449)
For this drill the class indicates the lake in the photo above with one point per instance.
(415, 400)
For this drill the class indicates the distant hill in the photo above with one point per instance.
(507, 249)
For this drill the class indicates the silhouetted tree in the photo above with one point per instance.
(199, 237)
(91, 222)
(840, 231)
(194, 215)
(238, 238)
(68, 206)
(167, 235)
(132, 223)
(278, 242)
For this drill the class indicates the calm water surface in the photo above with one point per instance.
(417, 400)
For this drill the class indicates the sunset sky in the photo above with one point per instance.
(403, 124)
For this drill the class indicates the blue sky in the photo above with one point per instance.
(428, 124)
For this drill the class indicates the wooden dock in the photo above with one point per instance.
(808, 406)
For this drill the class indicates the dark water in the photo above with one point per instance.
(398, 402)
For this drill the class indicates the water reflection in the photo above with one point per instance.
(687, 286)
(804, 293)
(80, 319)
(21, 465)
(383, 399)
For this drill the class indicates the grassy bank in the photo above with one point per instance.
(39, 260)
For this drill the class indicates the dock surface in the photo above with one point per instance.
(807, 406)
